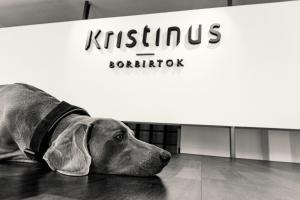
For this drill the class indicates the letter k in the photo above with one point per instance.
(91, 39)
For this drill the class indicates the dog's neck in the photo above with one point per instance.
(65, 122)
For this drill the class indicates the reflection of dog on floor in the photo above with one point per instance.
(36, 126)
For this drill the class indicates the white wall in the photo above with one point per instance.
(249, 79)
(252, 144)
(258, 144)
(295, 146)
(213, 141)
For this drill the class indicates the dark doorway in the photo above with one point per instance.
(164, 136)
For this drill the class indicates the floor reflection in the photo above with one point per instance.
(187, 177)
(126, 187)
(32, 182)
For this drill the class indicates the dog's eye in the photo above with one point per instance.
(120, 137)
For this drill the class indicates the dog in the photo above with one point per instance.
(77, 144)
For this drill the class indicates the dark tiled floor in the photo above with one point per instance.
(187, 177)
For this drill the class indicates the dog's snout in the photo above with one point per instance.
(165, 157)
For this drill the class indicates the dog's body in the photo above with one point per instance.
(110, 148)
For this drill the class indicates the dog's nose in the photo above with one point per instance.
(165, 157)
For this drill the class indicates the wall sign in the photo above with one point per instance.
(217, 66)
(173, 33)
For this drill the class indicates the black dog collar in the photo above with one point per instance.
(42, 134)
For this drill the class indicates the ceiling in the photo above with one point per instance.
(24, 12)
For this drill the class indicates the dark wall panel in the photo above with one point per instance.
(163, 136)
(112, 8)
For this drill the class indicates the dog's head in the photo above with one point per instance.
(104, 146)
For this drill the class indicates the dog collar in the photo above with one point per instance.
(44, 130)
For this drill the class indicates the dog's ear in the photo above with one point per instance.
(69, 153)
